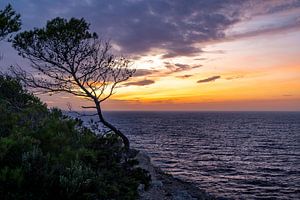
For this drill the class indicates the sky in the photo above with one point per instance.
(196, 55)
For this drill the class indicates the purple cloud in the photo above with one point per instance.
(179, 67)
(140, 83)
(139, 26)
(144, 72)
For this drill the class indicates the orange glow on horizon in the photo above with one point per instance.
(255, 73)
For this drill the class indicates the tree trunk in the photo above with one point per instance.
(111, 127)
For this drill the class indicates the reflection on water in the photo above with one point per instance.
(240, 155)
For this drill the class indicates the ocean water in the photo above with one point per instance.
(237, 155)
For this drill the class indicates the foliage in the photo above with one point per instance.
(46, 155)
(9, 21)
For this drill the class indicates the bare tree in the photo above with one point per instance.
(68, 58)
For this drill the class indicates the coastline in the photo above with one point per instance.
(165, 186)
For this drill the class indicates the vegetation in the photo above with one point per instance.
(71, 59)
(46, 155)
(9, 21)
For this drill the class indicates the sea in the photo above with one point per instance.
(234, 155)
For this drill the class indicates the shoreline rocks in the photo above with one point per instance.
(166, 187)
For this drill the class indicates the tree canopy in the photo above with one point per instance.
(69, 58)
(9, 21)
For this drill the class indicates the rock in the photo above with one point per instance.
(145, 163)
(132, 153)
(141, 188)
(157, 184)
(165, 186)
(182, 195)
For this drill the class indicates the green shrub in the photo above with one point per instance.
(46, 155)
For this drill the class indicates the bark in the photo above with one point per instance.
(113, 128)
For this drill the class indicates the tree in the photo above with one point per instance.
(9, 21)
(69, 58)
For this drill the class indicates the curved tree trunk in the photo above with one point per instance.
(114, 129)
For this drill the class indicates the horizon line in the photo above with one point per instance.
(186, 110)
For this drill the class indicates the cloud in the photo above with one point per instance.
(265, 18)
(210, 79)
(184, 76)
(200, 59)
(216, 52)
(196, 66)
(139, 26)
(170, 69)
(234, 77)
(144, 72)
(179, 67)
(258, 7)
(140, 83)
(183, 51)
(274, 29)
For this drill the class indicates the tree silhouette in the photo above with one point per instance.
(68, 58)
(9, 21)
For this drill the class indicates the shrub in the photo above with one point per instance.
(46, 155)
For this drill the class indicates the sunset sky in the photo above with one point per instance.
(189, 54)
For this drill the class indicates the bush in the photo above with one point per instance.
(46, 155)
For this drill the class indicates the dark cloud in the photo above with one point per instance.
(184, 76)
(284, 14)
(144, 72)
(196, 66)
(184, 51)
(259, 7)
(213, 78)
(278, 28)
(138, 26)
(182, 66)
(179, 67)
(284, 6)
(175, 26)
(140, 83)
